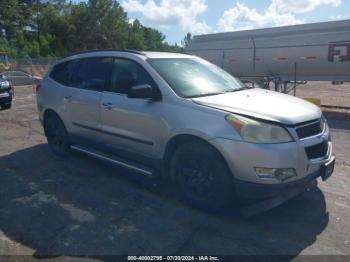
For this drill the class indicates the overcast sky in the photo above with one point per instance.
(177, 17)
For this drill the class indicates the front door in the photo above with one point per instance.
(132, 125)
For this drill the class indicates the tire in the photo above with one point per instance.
(5, 107)
(56, 135)
(202, 176)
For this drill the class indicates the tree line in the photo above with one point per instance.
(44, 28)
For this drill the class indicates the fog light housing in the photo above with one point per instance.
(276, 174)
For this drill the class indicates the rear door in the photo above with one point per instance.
(82, 100)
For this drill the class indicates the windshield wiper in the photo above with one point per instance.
(220, 93)
(205, 94)
(238, 89)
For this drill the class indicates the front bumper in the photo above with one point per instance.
(242, 158)
(5, 98)
(248, 190)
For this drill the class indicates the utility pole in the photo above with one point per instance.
(37, 18)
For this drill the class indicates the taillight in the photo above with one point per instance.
(37, 88)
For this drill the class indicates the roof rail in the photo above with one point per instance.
(106, 50)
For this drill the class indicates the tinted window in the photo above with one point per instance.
(127, 74)
(64, 73)
(94, 73)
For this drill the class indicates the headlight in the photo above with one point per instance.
(4, 84)
(324, 123)
(254, 131)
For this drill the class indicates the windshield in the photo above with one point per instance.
(192, 77)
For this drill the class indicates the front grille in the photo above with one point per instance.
(311, 129)
(5, 100)
(317, 151)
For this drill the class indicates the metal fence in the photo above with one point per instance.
(34, 66)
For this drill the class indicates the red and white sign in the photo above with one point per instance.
(339, 52)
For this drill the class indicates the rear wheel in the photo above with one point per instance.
(57, 136)
(202, 176)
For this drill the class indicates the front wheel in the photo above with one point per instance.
(57, 136)
(202, 176)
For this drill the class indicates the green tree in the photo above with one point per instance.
(135, 36)
(187, 40)
(99, 24)
(57, 27)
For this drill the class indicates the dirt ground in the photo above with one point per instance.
(79, 207)
(330, 95)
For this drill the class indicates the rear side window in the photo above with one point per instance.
(64, 73)
(94, 73)
(127, 74)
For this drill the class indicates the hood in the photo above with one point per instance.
(264, 104)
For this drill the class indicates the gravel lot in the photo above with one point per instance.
(330, 95)
(78, 206)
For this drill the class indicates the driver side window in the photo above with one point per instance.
(126, 74)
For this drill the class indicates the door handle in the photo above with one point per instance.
(68, 98)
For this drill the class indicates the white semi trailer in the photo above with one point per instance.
(282, 55)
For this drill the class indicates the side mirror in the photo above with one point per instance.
(141, 91)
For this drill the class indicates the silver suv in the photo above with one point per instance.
(181, 117)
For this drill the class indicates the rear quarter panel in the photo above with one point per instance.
(50, 97)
